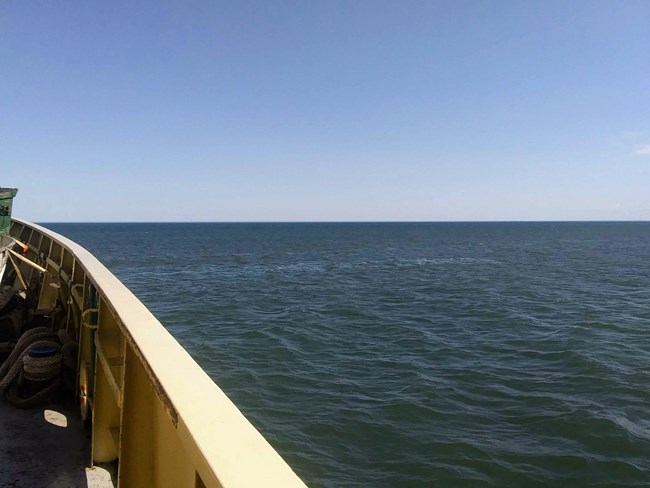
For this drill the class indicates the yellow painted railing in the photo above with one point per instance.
(153, 408)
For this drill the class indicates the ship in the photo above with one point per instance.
(83, 355)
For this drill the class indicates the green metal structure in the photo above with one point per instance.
(6, 200)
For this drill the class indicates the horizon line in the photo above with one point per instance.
(337, 221)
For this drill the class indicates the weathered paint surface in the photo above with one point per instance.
(153, 408)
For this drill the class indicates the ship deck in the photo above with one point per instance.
(47, 446)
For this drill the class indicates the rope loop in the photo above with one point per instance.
(20, 366)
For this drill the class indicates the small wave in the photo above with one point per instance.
(639, 429)
(442, 261)
(299, 268)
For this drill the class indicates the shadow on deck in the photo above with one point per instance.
(47, 446)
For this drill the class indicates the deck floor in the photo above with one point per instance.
(36, 452)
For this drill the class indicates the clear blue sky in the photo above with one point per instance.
(334, 110)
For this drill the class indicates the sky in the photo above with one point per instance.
(204, 110)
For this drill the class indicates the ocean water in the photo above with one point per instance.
(442, 354)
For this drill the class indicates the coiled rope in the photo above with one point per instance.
(41, 369)
(20, 366)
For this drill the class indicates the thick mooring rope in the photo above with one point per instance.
(41, 369)
(20, 366)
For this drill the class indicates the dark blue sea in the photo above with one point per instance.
(411, 355)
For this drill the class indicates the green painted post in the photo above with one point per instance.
(6, 199)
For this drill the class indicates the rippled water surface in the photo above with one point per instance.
(379, 355)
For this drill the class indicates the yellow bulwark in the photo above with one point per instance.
(152, 407)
